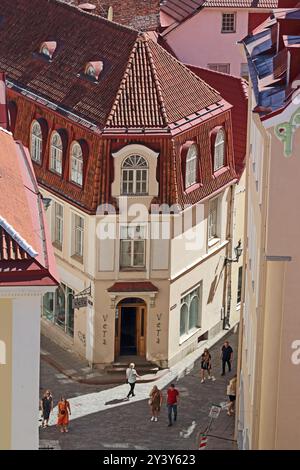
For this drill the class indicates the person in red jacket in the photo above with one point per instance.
(172, 402)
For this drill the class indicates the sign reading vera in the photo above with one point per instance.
(2, 353)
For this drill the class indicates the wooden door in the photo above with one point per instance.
(141, 330)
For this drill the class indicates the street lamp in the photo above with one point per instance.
(46, 202)
(238, 250)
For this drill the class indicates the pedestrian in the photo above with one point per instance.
(226, 356)
(131, 376)
(64, 411)
(231, 392)
(46, 407)
(206, 366)
(155, 402)
(172, 402)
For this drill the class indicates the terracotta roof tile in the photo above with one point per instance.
(133, 90)
(145, 97)
(180, 10)
(235, 91)
(133, 287)
(26, 253)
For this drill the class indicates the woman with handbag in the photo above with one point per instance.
(206, 366)
(155, 402)
(64, 410)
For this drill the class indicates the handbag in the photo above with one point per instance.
(150, 401)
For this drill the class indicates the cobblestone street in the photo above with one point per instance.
(129, 426)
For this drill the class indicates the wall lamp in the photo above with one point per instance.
(46, 202)
(238, 250)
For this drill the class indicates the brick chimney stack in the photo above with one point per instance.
(142, 15)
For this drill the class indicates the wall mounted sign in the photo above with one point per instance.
(285, 132)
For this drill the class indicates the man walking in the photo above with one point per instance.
(226, 356)
(172, 401)
(131, 376)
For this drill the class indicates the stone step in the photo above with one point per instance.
(122, 370)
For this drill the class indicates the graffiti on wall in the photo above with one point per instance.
(82, 338)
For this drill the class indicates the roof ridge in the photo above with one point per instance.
(183, 66)
(17, 237)
(156, 80)
(122, 84)
(96, 17)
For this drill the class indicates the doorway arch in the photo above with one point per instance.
(130, 327)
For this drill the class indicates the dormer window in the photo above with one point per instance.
(93, 70)
(48, 48)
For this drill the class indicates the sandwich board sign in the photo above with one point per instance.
(215, 411)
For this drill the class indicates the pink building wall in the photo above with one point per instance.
(199, 41)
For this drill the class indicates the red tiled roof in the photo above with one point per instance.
(133, 287)
(133, 90)
(180, 10)
(146, 98)
(269, 4)
(26, 256)
(235, 91)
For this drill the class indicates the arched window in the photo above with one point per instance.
(56, 152)
(191, 166)
(135, 176)
(184, 315)
(36, 142)
(219, 151)
(76, 163)
(190, 311)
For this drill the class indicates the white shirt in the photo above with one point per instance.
(131, 375)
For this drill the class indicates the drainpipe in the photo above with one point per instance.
(228, 267)
(3, 104)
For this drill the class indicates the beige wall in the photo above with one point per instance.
(270, 385)
(6, 319)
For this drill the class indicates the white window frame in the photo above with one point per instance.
(58, 228)
(76, 167)
(227, 25)
(186, 300)
(78, 236)
(219, 150)
(135, 181)
(36, 142)
(56, 154)
(213, 221)
(191, 166)
(220, 67)
(130, 239)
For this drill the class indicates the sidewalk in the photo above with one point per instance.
(77, 369)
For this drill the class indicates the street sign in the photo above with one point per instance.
(80, 302)
(214, 411)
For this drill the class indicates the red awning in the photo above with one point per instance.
(133, 287)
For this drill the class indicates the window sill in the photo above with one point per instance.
(214, 241)
(55, 172)
(131, 268)
(220, 171)
(228, 32)
(77, 258)
(189, 335)
(76, 185)
(192, 188)
(57, 245)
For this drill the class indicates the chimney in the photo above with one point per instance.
(3, 105)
